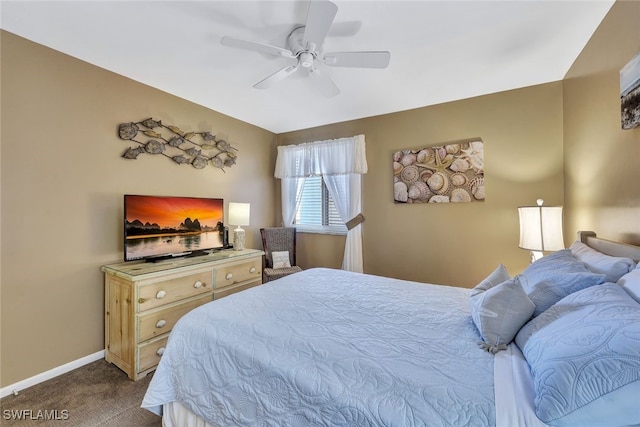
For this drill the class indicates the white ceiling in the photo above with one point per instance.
(440, 50)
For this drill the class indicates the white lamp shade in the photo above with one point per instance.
(239, 213)
(541, 228)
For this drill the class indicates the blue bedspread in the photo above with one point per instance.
(330, 348)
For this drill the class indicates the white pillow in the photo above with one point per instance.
(631, 283)
(280, 259)
(612, 267)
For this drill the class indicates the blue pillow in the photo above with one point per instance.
(497, 276)
(555, 276)
(630, 282)
(499, 312)
(584, 355)
(613, 267)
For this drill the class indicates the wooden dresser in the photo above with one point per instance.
(144, 300)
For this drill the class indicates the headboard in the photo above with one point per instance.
(608, 247)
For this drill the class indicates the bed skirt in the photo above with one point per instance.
(174, 414)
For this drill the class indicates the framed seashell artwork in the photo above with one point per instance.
(630, 93)
(449, 173)
(197, 149)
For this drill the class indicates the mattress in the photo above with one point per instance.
(330, 347)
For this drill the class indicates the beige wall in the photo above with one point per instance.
(457, 244)
(602, 161)
(62, 186)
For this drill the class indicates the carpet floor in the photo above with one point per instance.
(97, 394)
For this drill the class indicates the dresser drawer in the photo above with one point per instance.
(223, 292)
(168, 291)
(228, 275)
(149, 354)
(160, 322)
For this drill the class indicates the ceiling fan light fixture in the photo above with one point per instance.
(306, 59)
(330, 60)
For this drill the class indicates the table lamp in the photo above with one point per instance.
(540, 229)
(239, 216)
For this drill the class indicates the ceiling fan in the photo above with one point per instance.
(305, 44)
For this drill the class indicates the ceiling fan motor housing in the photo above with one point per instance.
(305, 54)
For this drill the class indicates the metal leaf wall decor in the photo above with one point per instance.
(194, 148)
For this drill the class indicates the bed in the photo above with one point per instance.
(326, 347)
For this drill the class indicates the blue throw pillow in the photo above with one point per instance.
(497, 276)
(555, 276)
(584, 355)
(499, 312)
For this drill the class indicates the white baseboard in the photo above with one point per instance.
(51, 373)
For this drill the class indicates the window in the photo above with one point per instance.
(317, 212)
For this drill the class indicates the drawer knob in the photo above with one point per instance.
(229, 276)
(160, 351)
(161, 323)
(161, 294)
(252, 270)
(199, 284)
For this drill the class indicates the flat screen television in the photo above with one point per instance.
(161, 227)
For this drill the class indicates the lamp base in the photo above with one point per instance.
(238, 239)
(536, 255)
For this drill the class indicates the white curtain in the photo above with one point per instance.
(291, 189)
(340, 162)
(346, 192)
(336, 156)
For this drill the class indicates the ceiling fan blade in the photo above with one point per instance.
(276, 77)
(319, 19)
(327, 87)
(372, 59)
(344, 29)
(255, 46)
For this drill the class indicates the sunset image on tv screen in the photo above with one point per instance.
(156, 225)
(170, 212)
